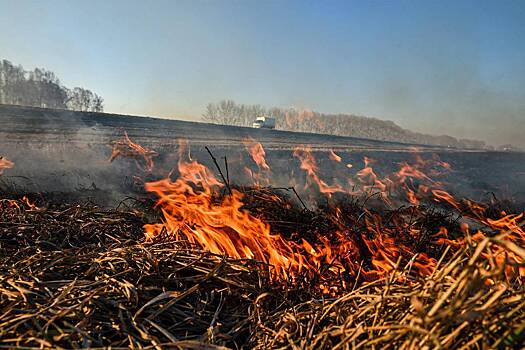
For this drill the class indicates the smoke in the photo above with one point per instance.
(63, 154)
(457, 91)
(69, 152)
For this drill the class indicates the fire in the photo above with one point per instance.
(444, 196)
(256, 151)
(369, 179)
(309, 164)
(194, 210)
(509, 222)
(128, 148)
(333, 156)
(258, 155)
(509, 227)
(5, 164)
(191, 212)
(24, 203)
(30, 205)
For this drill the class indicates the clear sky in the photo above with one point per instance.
(455, 67)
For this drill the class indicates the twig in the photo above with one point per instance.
(227, 170)
(219, 168)
(298, 197)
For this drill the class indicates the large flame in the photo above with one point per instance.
(192, 212)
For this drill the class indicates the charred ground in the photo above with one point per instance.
(65, 151)
(347, 270)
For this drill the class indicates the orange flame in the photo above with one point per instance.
(333, 156)
(23, 203)
(5, 164)
(258, 155)
(309, 164)
(128, 148)
(444, 196)
(510, 223)
(510, 228)
(192, 211)
(370, 179)
(30, 205)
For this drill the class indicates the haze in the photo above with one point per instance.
(447, 67)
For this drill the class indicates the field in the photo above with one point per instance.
(68, 151)
(194, 236)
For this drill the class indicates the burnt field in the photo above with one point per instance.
(64, 151)
(127, 232)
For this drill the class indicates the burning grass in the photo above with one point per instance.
(203, 264)
(78, 276)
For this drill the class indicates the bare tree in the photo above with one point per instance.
(229, 113)
(42, 88)
(79, 99)
(97, 104)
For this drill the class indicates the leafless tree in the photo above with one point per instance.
(229, 113)
(42, 88)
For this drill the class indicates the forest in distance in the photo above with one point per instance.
(228, 112)
(42, 88)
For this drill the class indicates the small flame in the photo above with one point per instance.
(369, 179)
(23, 203)
(256, 151)
(309, 164)
(444, 196)
(30, 205)
(128, 148)
(333, 156)
(5, 164)
(258, 155)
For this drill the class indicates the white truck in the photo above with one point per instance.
(264, 122)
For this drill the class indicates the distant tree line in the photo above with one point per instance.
(230, 113)
(42, 88)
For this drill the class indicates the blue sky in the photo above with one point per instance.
(455, 67)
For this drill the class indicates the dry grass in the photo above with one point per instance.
(76, 276)
(453, 308)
